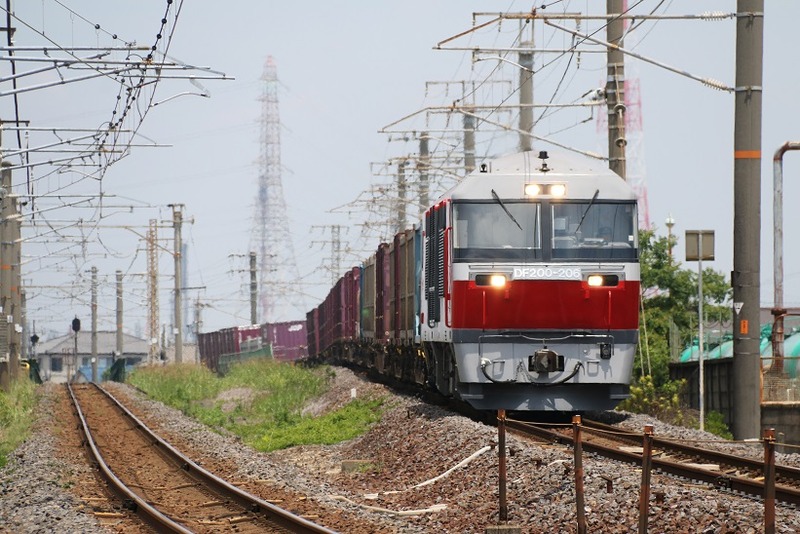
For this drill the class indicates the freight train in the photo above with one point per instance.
(284, 341)
(518, 290)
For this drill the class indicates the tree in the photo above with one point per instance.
(670, 303)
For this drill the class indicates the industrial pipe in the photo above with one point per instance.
(778, 311)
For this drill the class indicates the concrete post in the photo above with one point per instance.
(746, 278)
(615, 88)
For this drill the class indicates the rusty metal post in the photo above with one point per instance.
(778, 311)
(578, 449)
(501, 453)
(769, 481)
(644, 494)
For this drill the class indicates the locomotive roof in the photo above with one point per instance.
(507, 175)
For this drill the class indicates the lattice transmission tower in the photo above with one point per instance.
(279, 297)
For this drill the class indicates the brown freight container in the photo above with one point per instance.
(351, 292)
(312, 331)
(368, 299)
(207, 343)
(288, 339)
(406, 286)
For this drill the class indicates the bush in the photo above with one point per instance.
(16, 410)
(715, 423)
(263, 402)
(661, 402)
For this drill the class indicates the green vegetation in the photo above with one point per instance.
(259, 400)
(668, 322)
(16, 409)
(348, 422)
(661, 402)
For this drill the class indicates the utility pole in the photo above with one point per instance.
(198, 318)
(94, 325)
(746, 277)
(253, 290)
(119, 315)
(526, 94)
(152, 290)
(10, 273)
(23, 345)
(615, 88)
(469, 142)
(423, 165)
(5, 276)
(177, 222)
(402, 188)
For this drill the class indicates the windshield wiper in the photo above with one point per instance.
(594, 197)
(494, 195)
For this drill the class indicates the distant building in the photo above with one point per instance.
(58, 361)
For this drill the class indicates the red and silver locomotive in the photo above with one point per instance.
(531, 285)
(524, 279)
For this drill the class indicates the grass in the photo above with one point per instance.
(260, 401)
(16, 411)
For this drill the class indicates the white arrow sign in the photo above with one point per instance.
(737, 307)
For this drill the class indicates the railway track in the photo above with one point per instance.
(167, 490)
(721, 470)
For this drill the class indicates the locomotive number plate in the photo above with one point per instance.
(547, 273)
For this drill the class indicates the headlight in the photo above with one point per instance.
(494, 280)
(595, 280)
(497, 280)
(532, 190)
(602, 280)
(553, 190)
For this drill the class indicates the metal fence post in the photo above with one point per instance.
(579, 493)
(644, 495)
(769, 481)
(501, 452)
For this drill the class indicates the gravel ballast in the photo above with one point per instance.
(420, 469)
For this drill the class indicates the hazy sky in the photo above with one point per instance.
(348, 69)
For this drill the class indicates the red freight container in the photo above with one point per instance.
(289, 340)
(351, 299)
(208, 344)
(247, 338)
(312, 323)
(368, 329)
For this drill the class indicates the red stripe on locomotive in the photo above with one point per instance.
(545, 304)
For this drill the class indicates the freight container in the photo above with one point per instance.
(368, 284)
(382, 292)
(288, 339)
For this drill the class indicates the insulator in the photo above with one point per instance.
(716, 15)
(715, 84)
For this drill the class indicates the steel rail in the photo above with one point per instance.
(269, 511)
(150, 515)
(748, 486)
(782, 471)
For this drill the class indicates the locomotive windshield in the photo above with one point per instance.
(501, 230)
(527, 231)
(594, 230)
